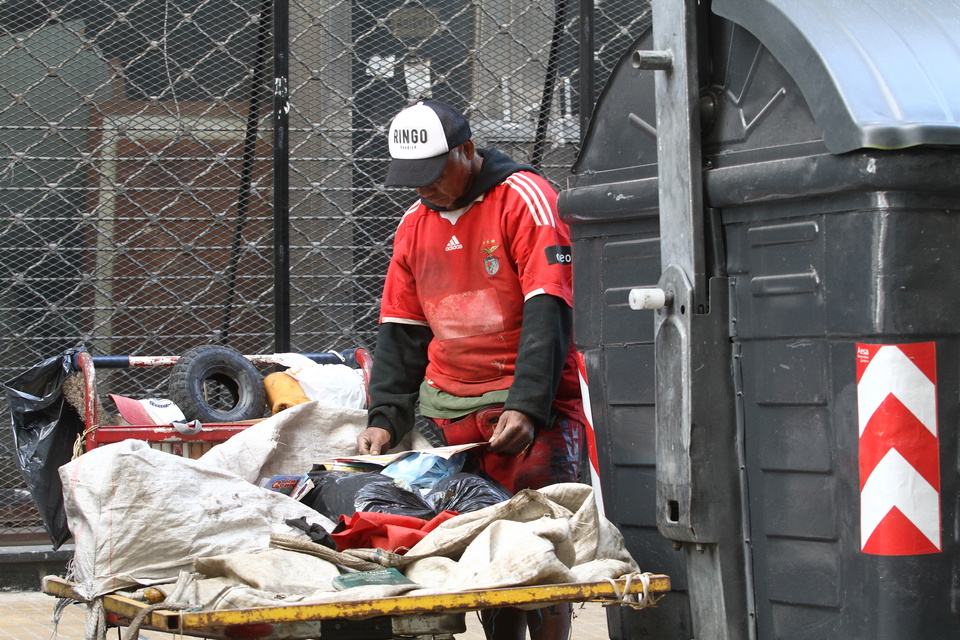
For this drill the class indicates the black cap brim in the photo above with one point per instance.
(415, 173)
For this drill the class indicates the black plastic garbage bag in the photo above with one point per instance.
(465, 492)
(337, 493)
(45, 428)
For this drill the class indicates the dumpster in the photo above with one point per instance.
(771, 350)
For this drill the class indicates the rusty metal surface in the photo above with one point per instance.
(308, 620)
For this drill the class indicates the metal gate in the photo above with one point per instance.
(147, 207)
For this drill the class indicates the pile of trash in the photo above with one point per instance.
(228, 531)
(284, 511)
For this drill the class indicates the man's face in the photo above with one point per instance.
(454, 181)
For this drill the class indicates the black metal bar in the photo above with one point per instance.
(549, 83)
(257, 81)
(109, 362)
(587, 69)
(347, 357)
(281, 176)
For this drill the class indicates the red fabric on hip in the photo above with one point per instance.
(553, 456)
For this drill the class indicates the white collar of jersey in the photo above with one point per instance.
(454, 215)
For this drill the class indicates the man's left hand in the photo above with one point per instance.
(513, 434)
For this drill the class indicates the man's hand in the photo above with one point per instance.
(373, 441)
(513, 434)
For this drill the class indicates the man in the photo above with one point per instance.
(476, 318)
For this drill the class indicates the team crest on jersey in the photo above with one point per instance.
(491, 263)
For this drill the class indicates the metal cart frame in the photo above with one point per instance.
(429, 616)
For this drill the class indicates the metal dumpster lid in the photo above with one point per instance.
(875, 73)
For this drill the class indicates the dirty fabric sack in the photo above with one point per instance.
(276, 570)
(140, 515)
(294, 439)
(465, 492)
(45, 428)
(548, 536)
(343, 493)
(228, 589)
(563, 515)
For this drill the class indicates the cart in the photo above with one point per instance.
(437, 617)
(167, 437)
(424, 617)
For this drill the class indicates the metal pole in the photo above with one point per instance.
(257, 81)
(698, 482)
(549, 83)
(281, 177)
(587, 69)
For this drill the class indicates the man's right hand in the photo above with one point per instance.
(373, 441)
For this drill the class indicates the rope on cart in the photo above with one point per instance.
(295, 543)
(132, 632)
(96, 623)
(633, 600)
(78, 443)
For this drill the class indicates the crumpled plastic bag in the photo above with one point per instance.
(343, 493)
(466, 492)
(422, 471)
(45, 428)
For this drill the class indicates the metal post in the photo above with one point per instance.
(586, 65)
(249, 157)
(698, 490)
(281, 177)
(549, 83)
(678, 140)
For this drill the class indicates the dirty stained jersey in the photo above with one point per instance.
(467, 273)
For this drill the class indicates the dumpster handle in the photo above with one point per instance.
(650, 298)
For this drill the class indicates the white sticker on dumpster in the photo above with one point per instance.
(899, 449)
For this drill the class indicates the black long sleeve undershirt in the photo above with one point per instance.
(544, 343)
(399, 363)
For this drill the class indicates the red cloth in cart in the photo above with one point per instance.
(388, 531)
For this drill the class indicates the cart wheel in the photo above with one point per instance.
(215, 383)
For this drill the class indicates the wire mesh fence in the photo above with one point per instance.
(138, 209)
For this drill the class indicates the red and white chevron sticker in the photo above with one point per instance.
(899, 449)
(591, 435)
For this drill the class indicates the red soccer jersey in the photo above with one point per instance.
(467, 276)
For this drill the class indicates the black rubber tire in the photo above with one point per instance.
(236, 379)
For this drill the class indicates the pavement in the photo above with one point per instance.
(27, 615)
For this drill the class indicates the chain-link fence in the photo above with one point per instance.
(138, 209)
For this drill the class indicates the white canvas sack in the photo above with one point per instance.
(139, 515)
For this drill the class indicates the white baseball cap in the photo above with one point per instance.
(420, 138)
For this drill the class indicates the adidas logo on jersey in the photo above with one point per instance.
(454, 244)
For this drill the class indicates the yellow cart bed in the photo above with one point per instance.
(432, 616)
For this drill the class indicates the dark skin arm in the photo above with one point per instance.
(373, 441)
(513, 434)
